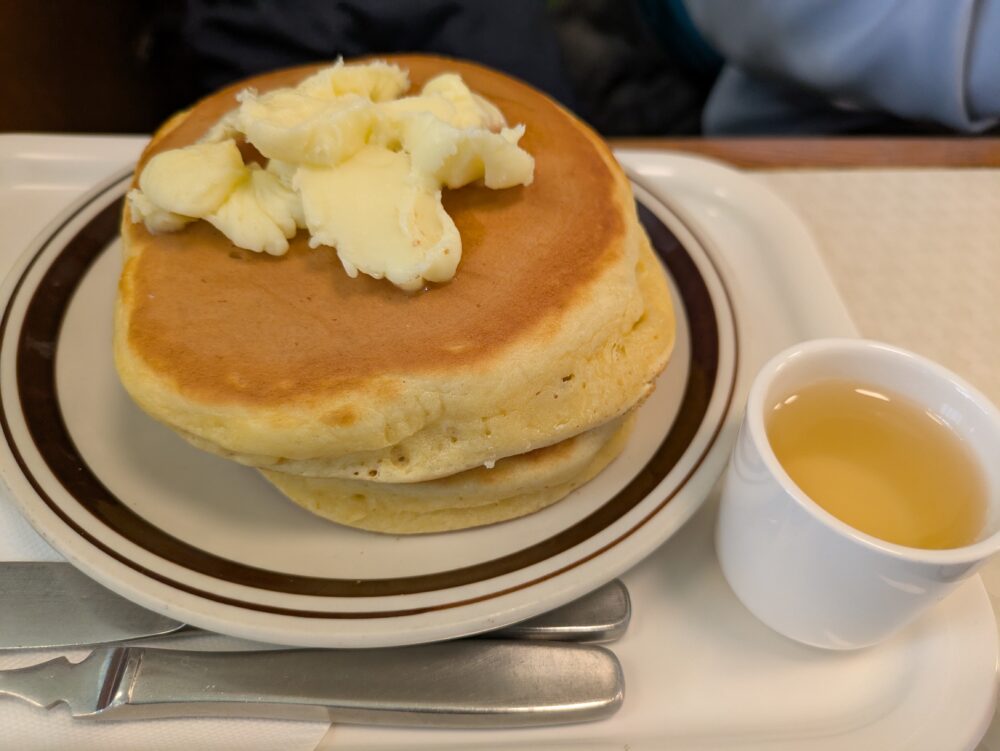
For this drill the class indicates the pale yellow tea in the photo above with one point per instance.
(881, 463)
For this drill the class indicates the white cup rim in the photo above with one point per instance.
(756, 409)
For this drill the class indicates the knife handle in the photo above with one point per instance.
(598, 617)
(469, 683)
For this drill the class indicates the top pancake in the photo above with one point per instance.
(252, 328)
(290, 357)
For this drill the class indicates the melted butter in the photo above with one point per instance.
(382, 221)
(350, 161)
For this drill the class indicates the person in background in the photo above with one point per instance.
(597, 57)
(819, 67)
(234, 39)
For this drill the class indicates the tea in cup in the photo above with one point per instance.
(864, 486)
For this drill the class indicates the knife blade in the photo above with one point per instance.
(471, 683)
(35, 598)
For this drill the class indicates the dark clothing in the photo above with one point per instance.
(597, 57)
(235, 39)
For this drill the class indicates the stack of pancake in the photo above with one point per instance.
(471, 402)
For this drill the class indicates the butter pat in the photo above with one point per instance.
(294, 127)
(277, 199)
(261, 213)
(455, 157)
(349, 159)
(470, 109)
(141, 209)
(376, 82)
(256, 209)
(381, 220)
(243, 220)
(195, 180)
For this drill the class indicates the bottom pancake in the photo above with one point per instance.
(516, 486)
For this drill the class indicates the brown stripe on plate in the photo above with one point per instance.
(35, 368)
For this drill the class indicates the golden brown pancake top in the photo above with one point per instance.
(230, 325)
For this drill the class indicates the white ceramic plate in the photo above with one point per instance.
(208, 541)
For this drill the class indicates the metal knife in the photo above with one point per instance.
(36, 597)
(475, 683)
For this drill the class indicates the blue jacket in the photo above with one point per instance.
(797, 66)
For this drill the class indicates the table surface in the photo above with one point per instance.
(833, 153)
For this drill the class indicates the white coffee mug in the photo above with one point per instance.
(801, 570)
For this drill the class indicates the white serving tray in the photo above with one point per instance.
(701, 672)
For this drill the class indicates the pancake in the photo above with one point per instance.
(516, 486)
(609, 368)
(288, 362)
